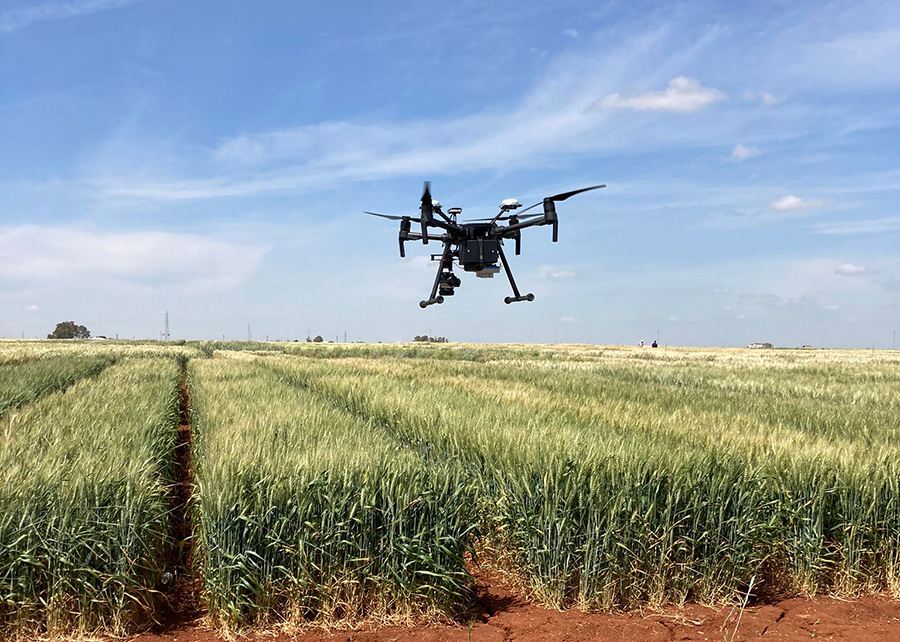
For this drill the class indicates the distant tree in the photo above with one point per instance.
(424, 338)
(318, 339)
(68, 330)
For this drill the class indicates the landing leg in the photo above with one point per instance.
(437, 280)
(512, 282)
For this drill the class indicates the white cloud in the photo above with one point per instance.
(56, 254)
(553, 272)
(741, 153)
(683, 95)
(848, 269)
(768, 99)
(791, 203)
(15, 19)
(32, 308)
(568, 320)
(868, 226)
(572, 33)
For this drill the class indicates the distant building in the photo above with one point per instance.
(760, 345)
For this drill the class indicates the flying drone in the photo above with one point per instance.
(476, 245)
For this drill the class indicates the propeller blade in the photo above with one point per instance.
(531, 207)
(391, 216)
(565, 195)
(502, 218)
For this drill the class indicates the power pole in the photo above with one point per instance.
(249, 336)
(167, 326)
(345, 336)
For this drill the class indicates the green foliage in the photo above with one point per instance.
(83, 490)
(24, 381)
(424, 338)
(69, 330)
(614, 479)
(306, 512)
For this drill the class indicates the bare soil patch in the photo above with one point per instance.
(500, 616)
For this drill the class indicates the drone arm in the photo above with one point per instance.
(503, 231)
(449, 226)
(417, 236)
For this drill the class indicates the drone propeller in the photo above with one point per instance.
(392, 217)
(427, 212)
(563, 196)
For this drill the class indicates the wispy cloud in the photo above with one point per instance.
(572, 33)
(683, 95)
(848, 269)
(550, 121)
(741, 153)
(19, 18)
(867, 226)
(553, 272)
(32, 308)
(791, 203)
(38, 254)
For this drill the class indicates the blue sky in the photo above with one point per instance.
(212, 159)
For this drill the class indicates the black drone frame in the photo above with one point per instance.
(476, 245)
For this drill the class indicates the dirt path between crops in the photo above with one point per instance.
(180, 605)
(499, 616)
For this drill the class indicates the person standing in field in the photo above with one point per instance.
(641, 343)
(654, 344)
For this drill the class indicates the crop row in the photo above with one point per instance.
(84, 478)
(349, 482)
(616, 485)
(304, 511)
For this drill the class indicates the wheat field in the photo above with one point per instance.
(355, 482)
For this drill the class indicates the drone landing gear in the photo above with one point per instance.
(512, 282)
(444, 279)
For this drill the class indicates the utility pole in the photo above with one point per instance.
(249, 336)
(345, 336)
(167, 326)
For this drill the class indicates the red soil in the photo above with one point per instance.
(502, 617)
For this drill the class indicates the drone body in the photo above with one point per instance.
(476, 246)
